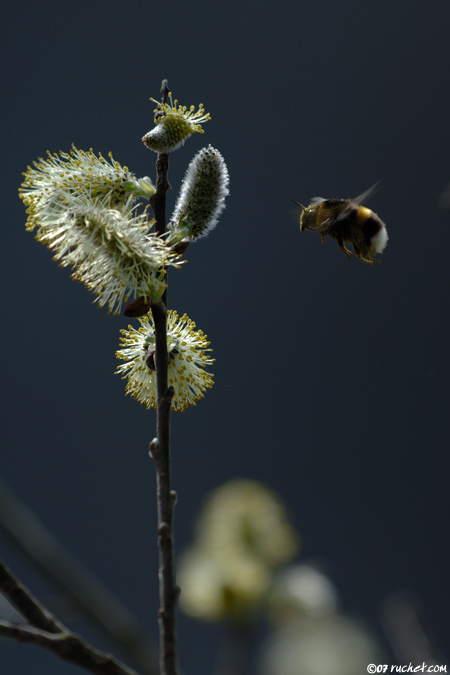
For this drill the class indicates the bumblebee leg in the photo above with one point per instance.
(360, 256)
(343, 248)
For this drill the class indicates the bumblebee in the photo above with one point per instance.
(346, 220)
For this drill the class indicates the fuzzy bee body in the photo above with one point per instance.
(346, 220)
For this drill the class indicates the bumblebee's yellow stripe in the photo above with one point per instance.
(362, 215)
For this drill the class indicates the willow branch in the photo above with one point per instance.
(160, 446)
(25, 603)
(46, 631)
(84, 590)
(158, 200)
(67, 646)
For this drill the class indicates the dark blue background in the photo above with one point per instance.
(332, 377)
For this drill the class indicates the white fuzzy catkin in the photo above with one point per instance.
(202, 195)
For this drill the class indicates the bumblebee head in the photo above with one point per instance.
(308, 218)
(302, 220)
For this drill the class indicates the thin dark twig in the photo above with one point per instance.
(164, 91)
(25, 603)
(83, 589)
(158, 200)
(48, 632)
(67, 646)
(160, 446)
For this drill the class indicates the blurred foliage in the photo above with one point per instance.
(237, 570)
(243, 534)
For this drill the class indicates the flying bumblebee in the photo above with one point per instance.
(346, 220)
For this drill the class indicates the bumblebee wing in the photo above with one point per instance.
(360, 199)
(323, 214)
(348, 208)
(357, 201)
(364, 196)
(328, 213)
(334, 212)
